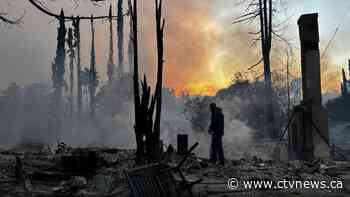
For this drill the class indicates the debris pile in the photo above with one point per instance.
(39, 171)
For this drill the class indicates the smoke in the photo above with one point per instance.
(330, 75)
(25, 117)
(203, 49)
(237, 138)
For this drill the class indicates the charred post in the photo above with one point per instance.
(182, 144)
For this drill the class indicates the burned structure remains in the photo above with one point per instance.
(308, 132)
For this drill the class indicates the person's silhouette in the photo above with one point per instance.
(216, 130)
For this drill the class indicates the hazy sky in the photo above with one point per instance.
(203, 48)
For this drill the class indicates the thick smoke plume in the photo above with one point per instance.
(25, 118)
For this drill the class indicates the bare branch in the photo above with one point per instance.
(256, 64)
(40, 7)
(254, 33)
(245, 19)
(9, 21)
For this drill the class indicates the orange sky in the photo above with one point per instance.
(203, 49)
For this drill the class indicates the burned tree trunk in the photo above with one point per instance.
(137, 127)
(158, 93)
(76, 25)
(147, 131)
(110, 66)
(130, 44)
(263, 10)
(92, 73)
(265, 14)
(147, 110)
(120, 28)
(71, 67)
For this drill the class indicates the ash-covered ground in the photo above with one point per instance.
(42, 170)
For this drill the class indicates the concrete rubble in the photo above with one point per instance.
(44, 173)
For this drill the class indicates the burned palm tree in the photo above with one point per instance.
(38, 4)
(120, 29)
(58, 65)
(58, 74)
(110, 66)
(76, 25)
(92, 73)
(71, 53)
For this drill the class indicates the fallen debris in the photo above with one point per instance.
(45, 176)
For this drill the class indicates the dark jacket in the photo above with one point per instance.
(217, 122)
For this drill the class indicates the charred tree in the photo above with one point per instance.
(58, 66)
(58, 75)
(92, 72)
(266, 38)
(146, 110)
(138, 116)
(158, 93)
(147, 130)
(120, 29)
(71, 52)
(263, 10)
(76, 25)
(110, 66)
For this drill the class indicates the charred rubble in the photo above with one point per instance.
(39, 170)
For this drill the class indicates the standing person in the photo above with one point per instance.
(216, 130)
